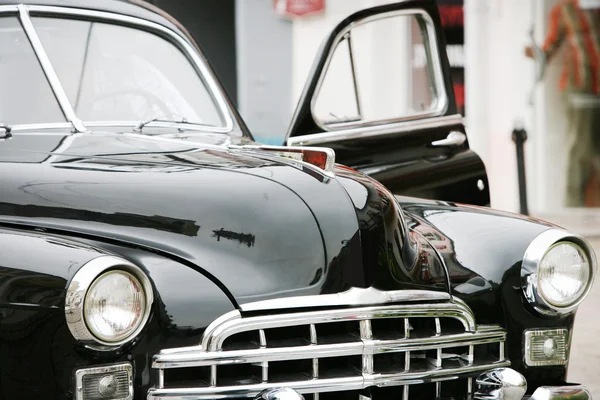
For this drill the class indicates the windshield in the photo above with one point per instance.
(25, 95)
(110, 73)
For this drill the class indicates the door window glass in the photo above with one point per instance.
(382, 70)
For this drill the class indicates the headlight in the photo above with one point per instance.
(108, 302)
(557, 271)
(114, 305)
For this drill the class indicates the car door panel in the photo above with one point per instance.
(411, 146)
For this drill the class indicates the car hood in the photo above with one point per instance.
(260, 227)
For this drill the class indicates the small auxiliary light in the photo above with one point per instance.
(546, 347)
(111, 382)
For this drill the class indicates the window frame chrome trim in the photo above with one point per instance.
(46, 64)
(441, 100)
(376, 131)
(77, 291)
(534, 253)
(195, 58)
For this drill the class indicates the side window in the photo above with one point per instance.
(382, 70)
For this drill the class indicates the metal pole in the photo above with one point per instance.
(519, 136)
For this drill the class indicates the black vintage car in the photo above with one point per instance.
(149, 248)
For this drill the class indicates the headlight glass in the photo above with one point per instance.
(563, 274)
(114, 305)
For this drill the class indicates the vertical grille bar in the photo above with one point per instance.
(406, 356)
(161, 378)
(262, 337)
(213, 375)
(438, 390)
(405, 393)
(366, 333)
(470, 361)
(314, 340)
(501, 351)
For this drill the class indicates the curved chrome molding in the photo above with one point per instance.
(77, 290)
(440, 88)
(279, 394)
(376, 131)
(561, 392)
(534, 254)
(48, 69)
(351, 297)
(203, 71)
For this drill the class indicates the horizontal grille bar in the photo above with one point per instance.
(198, 358)
(325, 385)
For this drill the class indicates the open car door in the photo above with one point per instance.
(380, 95)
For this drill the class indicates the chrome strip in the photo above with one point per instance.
(198, 357)
(441, 104)
(533, 256)
(326, 385)
(9, 8)
(376, 131)
(203, 71)
(351, 297)
(40, 52)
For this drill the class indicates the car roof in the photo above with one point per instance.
(133, 8)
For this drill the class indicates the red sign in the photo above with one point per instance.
(298, 8)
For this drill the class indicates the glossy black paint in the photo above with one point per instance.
(405, 162)
(215, 229)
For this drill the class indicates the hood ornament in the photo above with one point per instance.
(279, 394)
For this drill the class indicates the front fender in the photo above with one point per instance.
(483, 250)
(35, 270)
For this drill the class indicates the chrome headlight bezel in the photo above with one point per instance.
(534, 254)
(77, 292)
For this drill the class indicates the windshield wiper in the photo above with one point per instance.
(160, 118)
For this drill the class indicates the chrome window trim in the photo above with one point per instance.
(44, 60)
(536, 250)
(77, 291)
(441, 101)
(189, 51)
(376, 131)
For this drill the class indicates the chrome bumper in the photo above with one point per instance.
(508, 384)
(575, 392)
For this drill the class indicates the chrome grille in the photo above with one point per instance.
(405, 349)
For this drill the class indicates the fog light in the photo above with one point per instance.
(546, 347)
(112, 382)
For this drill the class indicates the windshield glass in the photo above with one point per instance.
(25, 94)
(117, 73)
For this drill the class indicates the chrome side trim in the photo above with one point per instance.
(368, 346)
(40, 52)
(351, 297)
(376, 131)
(9, 8)
(436, 67)
(531, 260)
(77, 290)
(204, 72)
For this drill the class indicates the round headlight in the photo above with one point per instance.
(108, 302)
(557, 271)
(563, 274)
(114, 306)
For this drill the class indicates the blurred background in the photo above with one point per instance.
(262, 51)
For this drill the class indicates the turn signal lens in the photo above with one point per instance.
(114, 306)
(546, 347)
